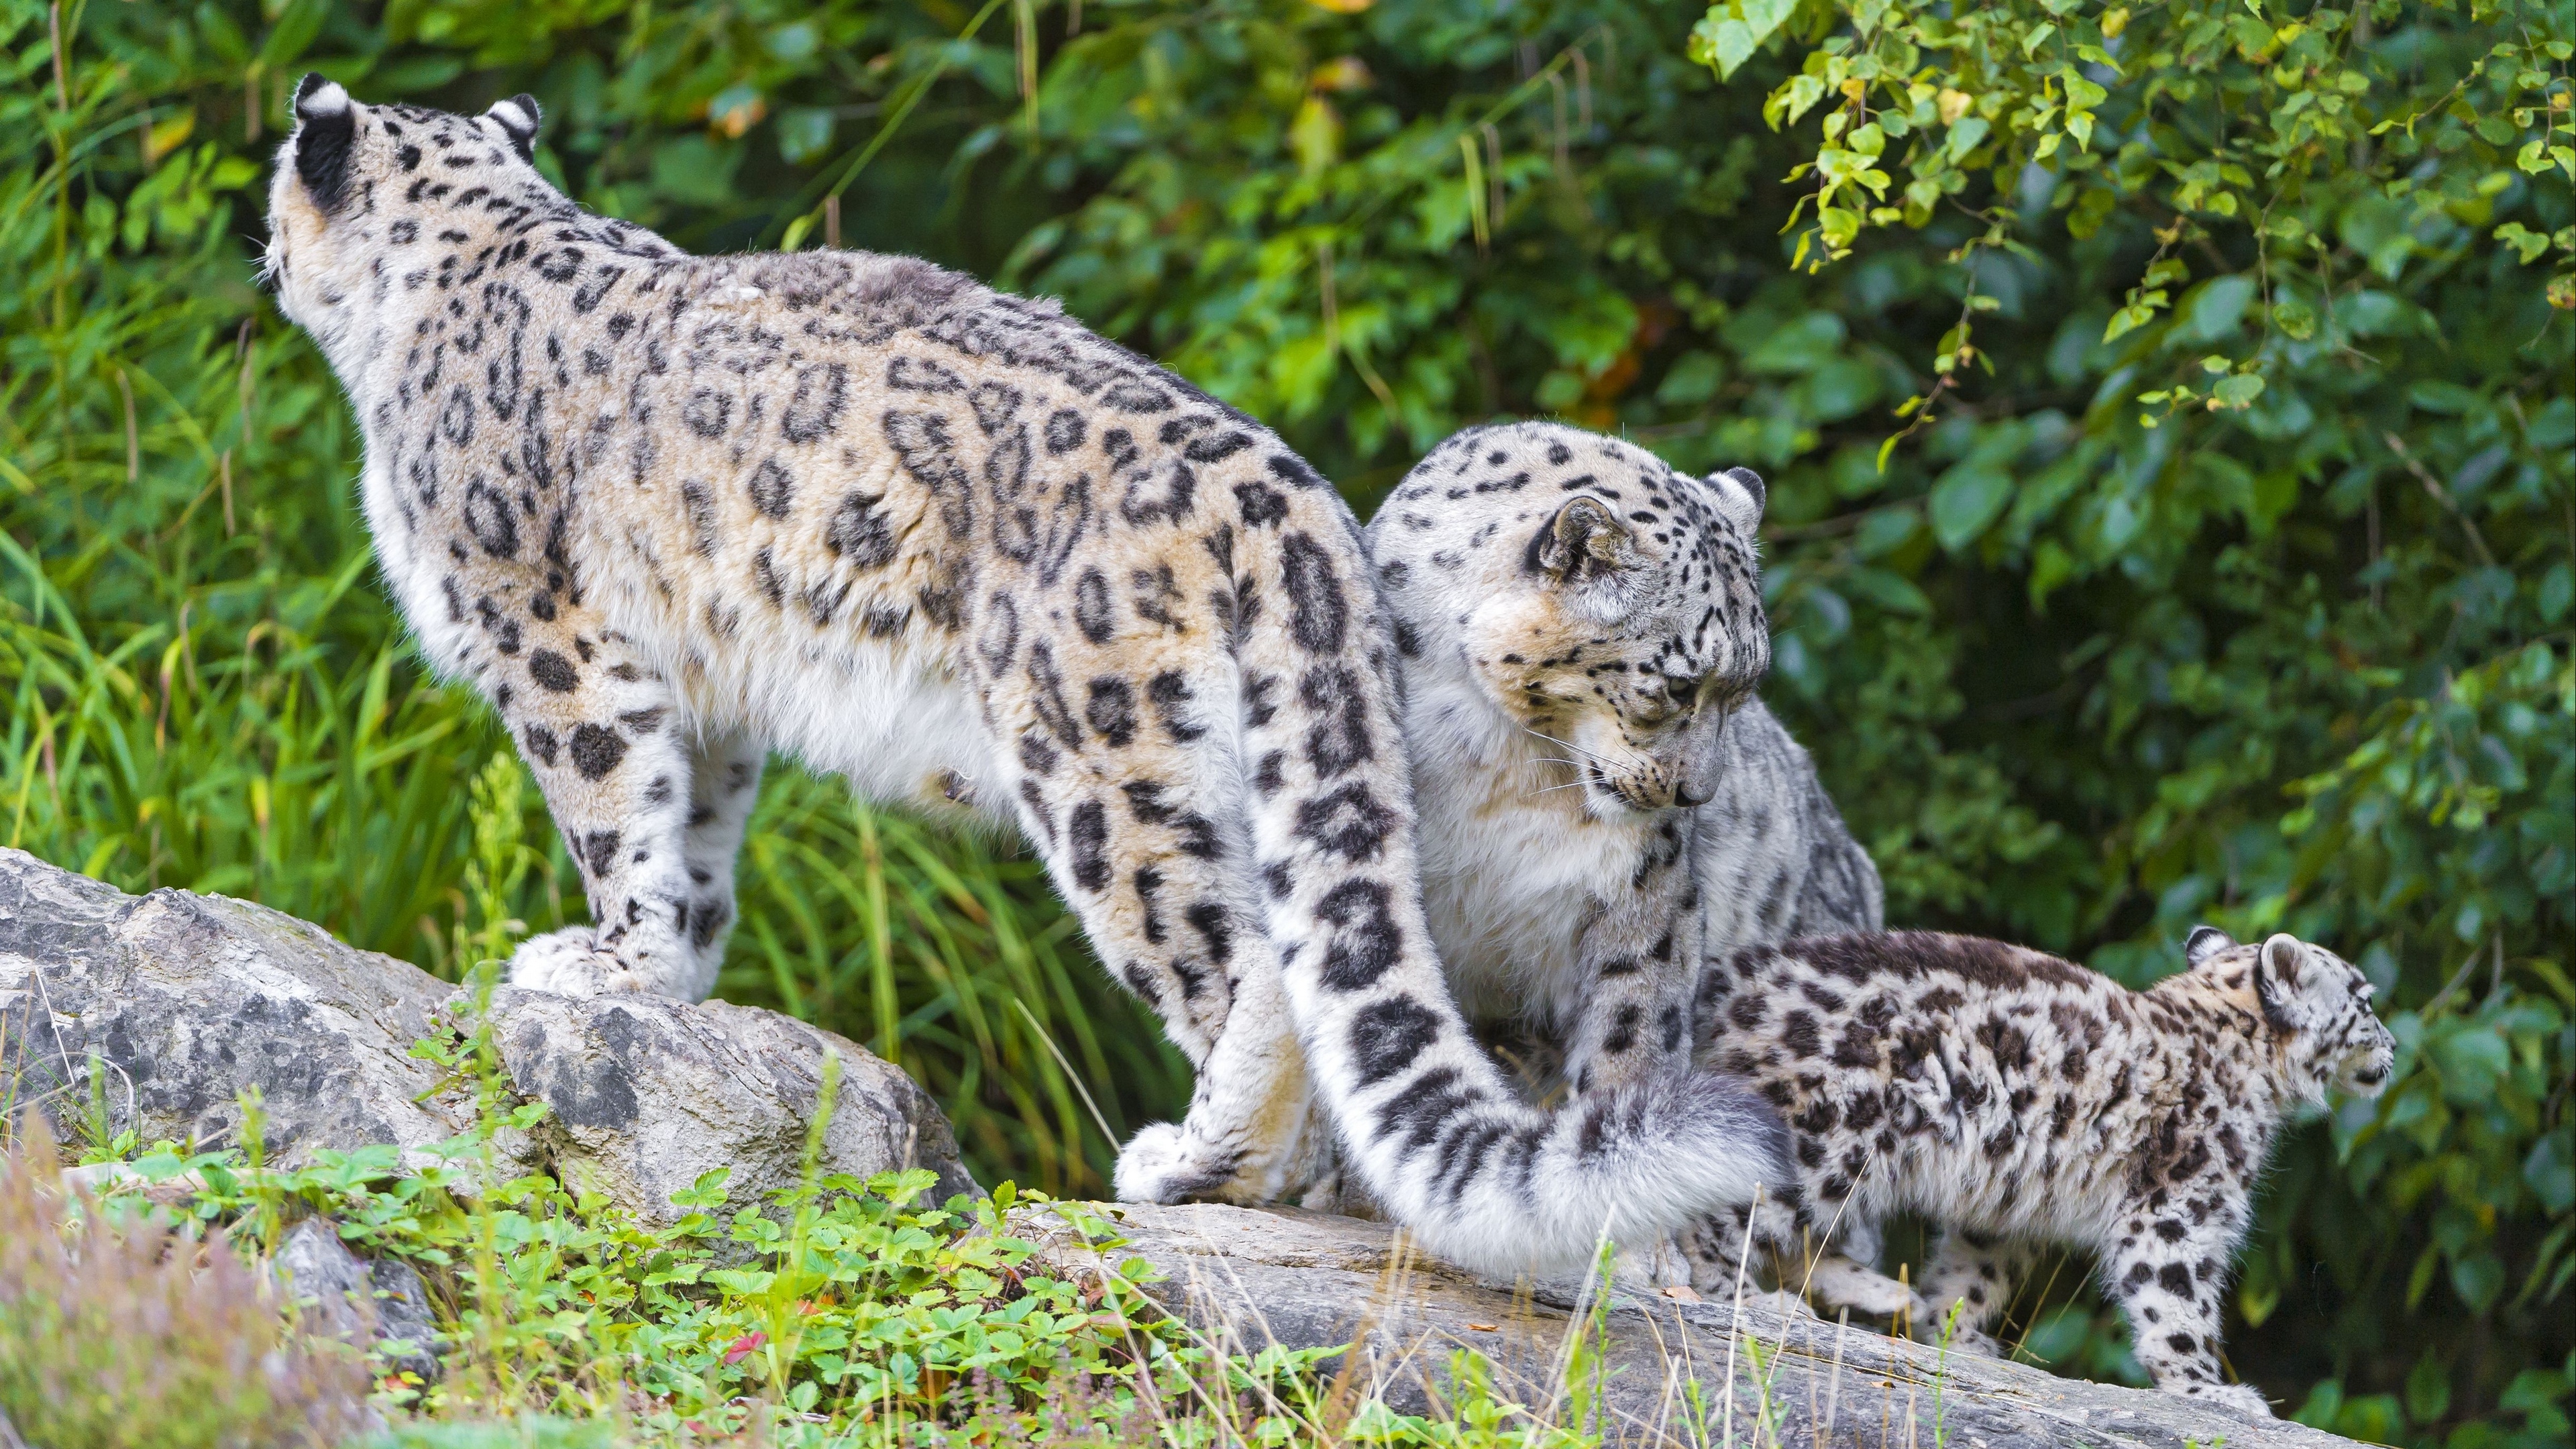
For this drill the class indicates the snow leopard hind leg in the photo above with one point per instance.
(602, 733)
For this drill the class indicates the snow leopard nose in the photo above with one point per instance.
(1684, 797)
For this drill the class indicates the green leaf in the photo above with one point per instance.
(1964, 136)
(293, 34)
(2551, 1172)
(2428, 1389)
(2477, 1278)
(1965, 500)
(1723, 41)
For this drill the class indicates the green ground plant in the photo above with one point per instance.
(2223, 567)
(840, 1314)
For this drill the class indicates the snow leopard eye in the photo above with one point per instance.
(1683, 696)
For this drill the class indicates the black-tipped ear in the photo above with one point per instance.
(1740, 496)
(1584, 540)
(2205, 942)
(326, 130)
(520, 117)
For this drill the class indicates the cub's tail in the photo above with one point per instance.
(1431, 1126)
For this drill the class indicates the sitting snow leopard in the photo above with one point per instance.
(667, 513)
(1603, 798)
(2017, 1099)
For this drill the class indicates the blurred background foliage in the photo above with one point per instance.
(2170, 416)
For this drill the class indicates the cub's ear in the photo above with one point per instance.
(1740, 496)
(326, 129)
(2205, 942)
(2276, 980)
(520, 117)
(1584, 541)
(2282, 956)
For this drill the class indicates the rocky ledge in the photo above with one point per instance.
(158, 1013)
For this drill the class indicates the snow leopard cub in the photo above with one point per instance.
(2017, 1099)
(667, 513)
(1603, 798)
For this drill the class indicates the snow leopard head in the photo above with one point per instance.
(1592, 594)
(372, 201)
(2317, 1005)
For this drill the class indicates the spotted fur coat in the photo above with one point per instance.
(2018, 1100)
(669, 513)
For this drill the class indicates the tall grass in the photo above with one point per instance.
(205, 686)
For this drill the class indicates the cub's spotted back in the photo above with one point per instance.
(2017, 1099)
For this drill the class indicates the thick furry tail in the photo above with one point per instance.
(1430, 1125)
(1495, 1185)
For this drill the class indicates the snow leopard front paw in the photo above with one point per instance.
(1839, 1282)
(2243, 1398)
(570, 962)
(1163, 1163)
(1970, 1343)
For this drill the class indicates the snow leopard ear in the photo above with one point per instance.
(1740, 496)
(1584, 541)
(2283, 958)
(520, 117)
(2276, 981)
(2205, 942)
(326, 130)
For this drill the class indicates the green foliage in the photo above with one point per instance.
(2224, 568)
(842, 1312)
(116, 1333)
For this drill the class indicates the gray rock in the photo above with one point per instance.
(404, 1328)
(336, 1292)
(185, 1001)
(649, 1093)
(1248, 1278)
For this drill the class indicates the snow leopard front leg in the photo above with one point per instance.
(1639, 960)
(2168, 1273)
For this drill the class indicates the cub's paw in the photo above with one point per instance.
(1969, 1343)
(1841, 1283)
(1162, 1163)
(2243, 1398)
(1780, 1302)
(570, 962)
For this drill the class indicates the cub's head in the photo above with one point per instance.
(2317, 1005)
(1590, 593)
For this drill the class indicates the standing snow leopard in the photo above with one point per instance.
(667, 513)
(2017, 1099)
(1603, 799)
